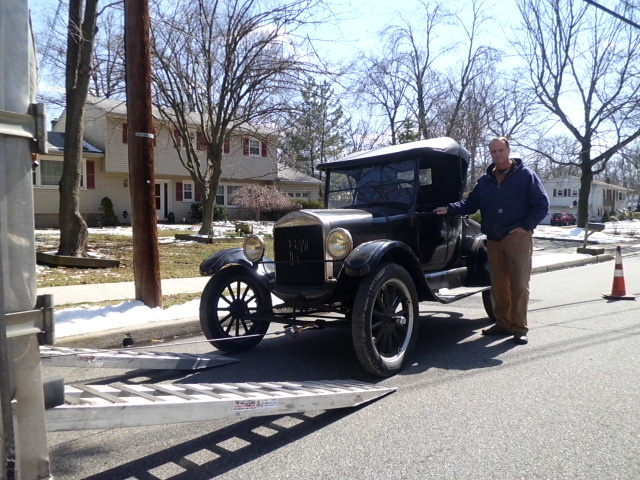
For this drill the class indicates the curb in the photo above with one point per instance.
(578, 262)
(155, 333)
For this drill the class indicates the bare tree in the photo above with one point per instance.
(108, 71)
(382, 85)
(474, 88)
(584, 71)
(412, 44)
(107, 68)
(81, 34)
(223, 66)
(474, 73)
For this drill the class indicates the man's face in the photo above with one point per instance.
(499, 152)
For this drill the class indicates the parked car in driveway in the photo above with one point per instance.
(365, 262)
(563, 219)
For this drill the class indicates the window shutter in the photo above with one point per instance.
(178, 191)
(227, 146)
(264, 149)
(125, 132)
(197, 196)
(245, 146)
(178, 137)
(91, 175)
(201, 142)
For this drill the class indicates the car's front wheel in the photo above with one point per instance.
(385, 320)
(228, 308)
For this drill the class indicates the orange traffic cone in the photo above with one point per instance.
(618, 290)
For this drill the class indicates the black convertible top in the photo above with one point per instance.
(440, 148)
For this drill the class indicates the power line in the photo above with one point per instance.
(45, 54)
(611, 12)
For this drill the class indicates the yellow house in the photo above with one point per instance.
(247, 159)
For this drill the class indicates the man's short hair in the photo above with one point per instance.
(501, 139)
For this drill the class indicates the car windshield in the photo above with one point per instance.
(367, 185)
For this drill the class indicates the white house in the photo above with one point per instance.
(563, 195)
(246, 159)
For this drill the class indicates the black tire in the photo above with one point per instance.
(487, 301)
(385, 320)
(226, 304)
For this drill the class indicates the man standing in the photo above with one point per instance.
(512, 202)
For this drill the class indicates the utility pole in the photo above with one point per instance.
(23, 440)
(141, 139)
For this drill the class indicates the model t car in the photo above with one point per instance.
(367, 260)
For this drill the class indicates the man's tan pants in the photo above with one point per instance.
(510, 269)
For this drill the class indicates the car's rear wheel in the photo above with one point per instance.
(228, 307)
(487, 301)
(385, 320)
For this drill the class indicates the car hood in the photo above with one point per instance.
(324, 217)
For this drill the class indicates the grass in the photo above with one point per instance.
(178, 259)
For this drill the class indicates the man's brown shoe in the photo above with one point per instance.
(496, 330)
(520, 338)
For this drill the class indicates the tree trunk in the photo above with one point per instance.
(73, 228)
(208, 204)
(80, 38)
(585, 189)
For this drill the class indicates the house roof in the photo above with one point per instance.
(119, 108)
(287, 174)
(56, 143)
(571, 178)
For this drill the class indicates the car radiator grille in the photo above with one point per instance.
(299, 253)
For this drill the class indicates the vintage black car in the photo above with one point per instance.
(366, 261)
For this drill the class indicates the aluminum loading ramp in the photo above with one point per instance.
(89, 407)
(129, 359)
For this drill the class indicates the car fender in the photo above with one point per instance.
(234, 256)
(367, 255)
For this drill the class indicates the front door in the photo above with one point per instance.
(162, 200)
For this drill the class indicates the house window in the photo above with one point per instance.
(298, 194)
(558, 193)
(620, 196)
(254, 148)
(50, 172)
(231, 189)
(220, 195)
(187, 192)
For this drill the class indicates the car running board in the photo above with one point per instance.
(449, 295)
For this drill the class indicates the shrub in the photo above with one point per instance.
(309, 204)
(109, 217)
(196, 212)
(266, 202)
(220, 213)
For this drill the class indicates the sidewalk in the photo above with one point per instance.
(143, 334)
(123, 291)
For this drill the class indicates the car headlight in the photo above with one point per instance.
(254, 247)
(339, 243)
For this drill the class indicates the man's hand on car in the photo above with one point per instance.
(441, 210)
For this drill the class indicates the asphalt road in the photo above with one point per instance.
(565, 406)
